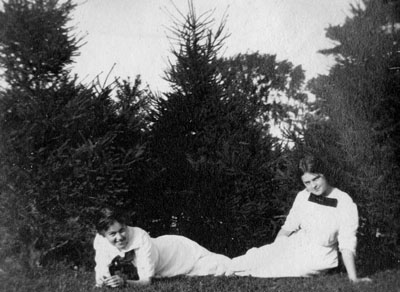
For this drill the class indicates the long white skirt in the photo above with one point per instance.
(293, 256)
(179, 255)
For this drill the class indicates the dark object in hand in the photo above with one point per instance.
(123, 267)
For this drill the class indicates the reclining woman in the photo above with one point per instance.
(322, 220)
(141, 258)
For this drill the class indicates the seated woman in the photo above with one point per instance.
(117, 245)
(321, 220)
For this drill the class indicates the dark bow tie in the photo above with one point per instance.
(322, 200)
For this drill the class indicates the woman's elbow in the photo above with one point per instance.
(140, 282)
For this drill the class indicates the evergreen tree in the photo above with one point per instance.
(66, 148)
(211, 144)
(35, 46)
(190, 128)
(36, 43)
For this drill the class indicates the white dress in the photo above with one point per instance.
(319, 230)
(164, 256)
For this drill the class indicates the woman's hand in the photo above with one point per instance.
(349, 263)
(114, 281)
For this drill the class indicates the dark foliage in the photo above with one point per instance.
(258, 84)
(36, 44)
(66, 148)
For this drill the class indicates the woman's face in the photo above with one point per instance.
(315, 183)
(117, 234)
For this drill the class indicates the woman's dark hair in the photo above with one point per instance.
(311, 164)
(107, 217)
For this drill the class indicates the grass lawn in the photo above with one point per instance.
(61, 279)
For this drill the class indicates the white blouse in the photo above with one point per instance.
(324, 225)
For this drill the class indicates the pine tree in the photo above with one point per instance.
(189, 127)
(215, 162)
(66, 148)
(35, 46)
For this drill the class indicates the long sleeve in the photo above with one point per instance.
(348, 225)
(102, 259)
(146, 256)
(293, 219)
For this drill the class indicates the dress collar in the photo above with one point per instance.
(323, 200)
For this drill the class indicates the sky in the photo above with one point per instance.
(125, 38)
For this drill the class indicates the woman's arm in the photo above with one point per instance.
(294, 218)
(349, 263)
(140, 282)
(102, 259)
(146, 257)
(347, 237)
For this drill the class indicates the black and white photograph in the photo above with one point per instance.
(200, 145)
